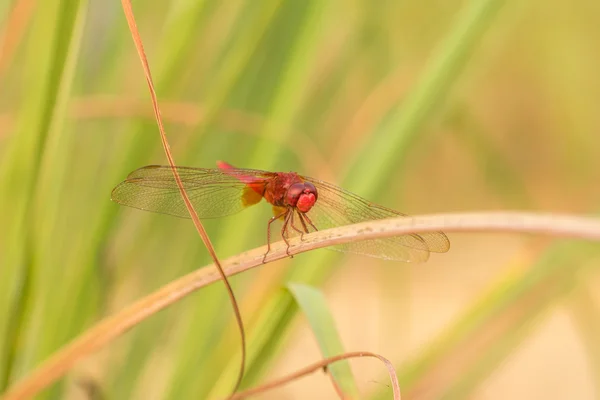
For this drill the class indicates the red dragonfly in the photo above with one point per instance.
(304, 205)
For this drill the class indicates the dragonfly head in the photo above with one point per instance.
(302, 195)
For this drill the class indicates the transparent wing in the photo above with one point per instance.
(214, 193)
(337, 207)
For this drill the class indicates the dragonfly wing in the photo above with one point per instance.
(212, 192)
(337, 207)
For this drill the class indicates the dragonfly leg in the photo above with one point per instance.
(294, 226)
(276, 217)
(288, 216)
(309, 222)
(303, 226)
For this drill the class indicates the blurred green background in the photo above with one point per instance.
(431, 106)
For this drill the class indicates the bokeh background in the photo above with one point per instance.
(429, 106)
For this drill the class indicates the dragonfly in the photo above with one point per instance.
(303, 205)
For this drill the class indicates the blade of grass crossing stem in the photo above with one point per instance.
(238, 54)
(285, 103)
(236, 60)
(168, 77)
(401, 132)
(88, 244)
(245, 36)
(184, 24)
(135, 150)
(314, 306)
(186, 21)
(48, 46)
(136, 144)
(127, 8)
(478, 342)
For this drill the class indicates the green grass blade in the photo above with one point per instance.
(404, 125)
(50, 45)
(313, 305)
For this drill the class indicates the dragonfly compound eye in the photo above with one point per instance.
(307, 198)
(301, 195)
(293, 193)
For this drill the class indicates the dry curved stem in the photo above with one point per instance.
(319, 365)
(93, 339)
(188, 204)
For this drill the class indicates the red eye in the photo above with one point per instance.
(310, 188)
(293, 193)
(302, 195)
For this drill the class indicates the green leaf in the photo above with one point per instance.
(314, 306)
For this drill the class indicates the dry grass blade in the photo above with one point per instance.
(319, 365)
(199, 227)
(112, 327)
